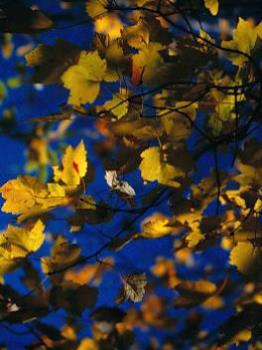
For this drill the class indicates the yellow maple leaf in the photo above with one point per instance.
(147, 63)
(212, 6)
(154, 168)
(83, 79)
(29, 197)
(17, 242)
(22, 194)
(245, 37)
(74, 166)
(156, 225)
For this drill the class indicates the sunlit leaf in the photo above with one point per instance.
(154, 167)
(88, 344)
(109, 24)
(17, 242)
(96, 8)
(83, 79)
(245, 36)
(246, 257)
(156, 226)
(212, 6)
(91, 273)
(118, 105)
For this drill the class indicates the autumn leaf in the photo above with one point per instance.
(17, 242)
(147, 63)
(29, 197)
(51, 61)
(118, 106)
(90, 273)
(137, 35)
(154, 167)
(83, 79)
(133, 288)
(141, 129)
(88, 344)
(212, 6)
(96, 8)
(110, 25)
(156, 226)
(245, 37)
(63, 254)
(247, 258)
(118, 185)
(74, 166)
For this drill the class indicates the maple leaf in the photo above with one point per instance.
(74, 166)
(83, 79)
(148, 61)
(245, 37)
(17, 242)
(29, 197)
(154, 167)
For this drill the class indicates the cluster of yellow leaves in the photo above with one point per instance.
(29, 197)
(17, 242)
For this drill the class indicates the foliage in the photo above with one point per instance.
(143, 186)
